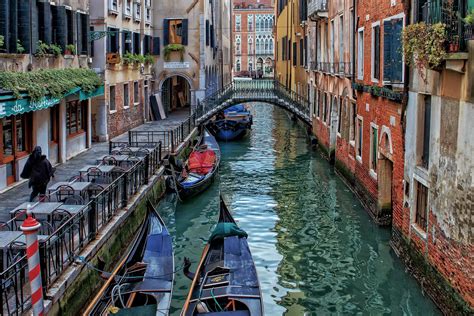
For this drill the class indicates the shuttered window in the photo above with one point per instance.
(421, 206)
(207, 33)
(59, 19)
(136, 43)
(175, 31)
(392, 54)
(376, 52)
(212, 37)
(301, 52)
(13, 26)
(146, 45)
(113, 40)
(294, 54)
(126, 42)
(44, 22)
(156, 46)
(70, 26)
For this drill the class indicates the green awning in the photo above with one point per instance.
(9, 105)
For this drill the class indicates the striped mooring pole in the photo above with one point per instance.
(30, 228)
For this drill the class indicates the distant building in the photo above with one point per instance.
(195, 55)
(119, 29)
(253, 47)
(61, 126)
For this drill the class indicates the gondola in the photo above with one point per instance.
(142, 283)
(226, 281)
(232, 124)
(200, 169)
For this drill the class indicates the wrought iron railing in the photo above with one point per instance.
(450, 13)
(339, 68)
(61, 248)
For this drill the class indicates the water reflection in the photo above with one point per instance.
(316, 250)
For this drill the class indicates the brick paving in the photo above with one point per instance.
(21, 193)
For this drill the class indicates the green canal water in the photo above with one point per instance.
(316, 250)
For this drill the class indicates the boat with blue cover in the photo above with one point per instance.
(200, 168)
(232, 124)
(225, 282)
(142, 282)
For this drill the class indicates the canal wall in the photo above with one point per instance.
(448, 300)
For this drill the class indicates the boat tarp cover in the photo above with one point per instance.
(201, 162)
(223, 230)
(237, 258)
(236, 108)
(139, 310)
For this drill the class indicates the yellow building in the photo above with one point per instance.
(292, 42)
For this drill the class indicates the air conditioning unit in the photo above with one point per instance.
(113, 58)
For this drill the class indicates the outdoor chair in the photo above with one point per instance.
(95, 175)
(58, 217)
(19, 217)
(74, 200)
(77, 178)
(109, 161)
(63, 192)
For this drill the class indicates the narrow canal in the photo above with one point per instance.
(317, 251)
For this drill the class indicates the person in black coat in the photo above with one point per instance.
(39, 170)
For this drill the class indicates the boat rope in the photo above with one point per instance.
(90, 266)
(215, 300)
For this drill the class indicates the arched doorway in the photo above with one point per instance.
(259, 67)
(176, 94)
(268, 67)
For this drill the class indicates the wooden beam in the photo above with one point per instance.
(192, 6)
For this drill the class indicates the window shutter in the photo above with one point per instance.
(59, 26)
(156, 46)
(166, 32)
(376, 64)
(109, 41)
(184, 36)
(212, 36)
(207, 32)
(396, 52)
(47, 25)
(295, 56)
(4, 22)
(124, 44)
(13, 30)
(24, 24)
(79, 33)
(387, 49)
(85, 37)
(306, 50)
(301, 52)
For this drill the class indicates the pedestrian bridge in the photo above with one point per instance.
(260, 90)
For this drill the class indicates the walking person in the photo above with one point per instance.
(39, 170)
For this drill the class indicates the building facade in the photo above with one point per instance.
(433, 230)
(42, 35)
(253, 38)
(121, 38)
(195, 59)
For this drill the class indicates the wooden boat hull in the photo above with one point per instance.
(226, 281)
(142, 283)
(187, 191)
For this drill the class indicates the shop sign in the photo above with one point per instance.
(176, 65)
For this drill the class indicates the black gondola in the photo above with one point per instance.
(192, 183)
(226, 281)
(142, 283)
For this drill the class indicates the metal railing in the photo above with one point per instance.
(317, 6)
(339, 68)
(59, 250)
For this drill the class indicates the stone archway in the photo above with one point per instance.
(176, 93)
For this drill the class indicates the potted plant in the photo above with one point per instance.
(70, 49)
(149, 60)
(174, 48)
(128, 58)
(42, 50)
(55, 49)
(19, 48)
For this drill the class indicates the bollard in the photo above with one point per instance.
(30, 228)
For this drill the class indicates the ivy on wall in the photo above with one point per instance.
(51, 82)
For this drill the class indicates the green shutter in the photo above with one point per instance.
(387, 51)
(184, 34)
(166, 34)
(396, 53)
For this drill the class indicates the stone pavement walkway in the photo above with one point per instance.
(21, 193)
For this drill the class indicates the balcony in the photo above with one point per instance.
(450, 13)
(318, 9)
(342, 69)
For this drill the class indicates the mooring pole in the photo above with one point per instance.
(30, 228)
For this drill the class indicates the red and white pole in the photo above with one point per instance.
(30, 228)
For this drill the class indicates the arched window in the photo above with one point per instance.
(250, 64)
(258, 45)
(271, 45)
(237, 64)
(250, 45)
(237, 45)
(266, 45)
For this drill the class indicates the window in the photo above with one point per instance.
(148, 11)
(360, 54)
(75, 117)
(352, 135)
(175, 31)
(237, 45)
(136, 43)
(425, 132)
(375, 52)
(392, 54)
(250, 45)
(351, 39)
(113, 40)
(341, 42)
(136, 93)
(54, 124)
(294, 55)
(112, 106)
(331, 34)
(82, 34)
(137, 11)
(250, 22)
(127, 42)
(126, 96)
(301, 52)
(421, 206)
(339, 114)
(147, 44)
(325, 107)
(113, 5)
(237, 64)
(318, 106)
(373, 147)
(70, 26)
(359, 137)
(127, 8)
(283, 48)
(238, 22)
(250, 62)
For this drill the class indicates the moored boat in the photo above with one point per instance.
(232, 124)
(200, 168)
(142, 282)
(225, 282)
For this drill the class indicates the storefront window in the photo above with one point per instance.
(75, 117)
(8, 136)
